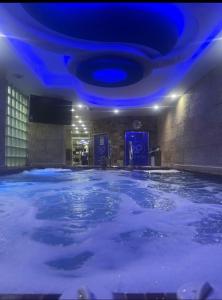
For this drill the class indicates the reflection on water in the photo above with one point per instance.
(92, 221)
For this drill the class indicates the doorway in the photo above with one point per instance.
(101, 149)
(136, 148)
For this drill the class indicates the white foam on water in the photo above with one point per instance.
(142, 249)
(45, 171)
(162, 171)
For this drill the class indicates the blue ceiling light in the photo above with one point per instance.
(110, 76)
(156, 25)
(110, 71)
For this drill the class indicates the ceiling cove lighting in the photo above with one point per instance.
(116, 111)
(174, 23)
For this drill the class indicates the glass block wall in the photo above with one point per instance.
(16, 128)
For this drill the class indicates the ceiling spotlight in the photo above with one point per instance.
(156, 107)
(76, 117)
(80, 105)
(116, 111)
(80, 121)
(72, 109)
(173, 96)
(73, 125)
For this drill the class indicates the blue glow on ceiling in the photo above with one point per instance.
(156, 25)
(110, 71)
(32, 57)
(183, 68)
(110, 75)
(67, 59)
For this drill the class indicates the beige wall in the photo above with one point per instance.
(190, 134)
(46, 145)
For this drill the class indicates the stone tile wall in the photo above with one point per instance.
(116, 126)
(190, 134)
(46, 145)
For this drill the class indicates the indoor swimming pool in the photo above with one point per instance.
(109, 230)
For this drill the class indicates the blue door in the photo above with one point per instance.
(136, 148)
(101, 149)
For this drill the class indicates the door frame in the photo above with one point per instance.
(93, 142)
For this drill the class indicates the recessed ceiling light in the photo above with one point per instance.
(173, 96)
(73, 125)
(116, 111)
(156, 107)
(82, 125)
(86, 132)
(76, 117)
(80, 105)
(73, 109)
(77, 128)
(80, 121)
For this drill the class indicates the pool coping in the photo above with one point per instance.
(213, 171)
(14, 170)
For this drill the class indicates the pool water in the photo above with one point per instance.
(110, 231)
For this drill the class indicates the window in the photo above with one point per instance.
(16, 128)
